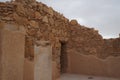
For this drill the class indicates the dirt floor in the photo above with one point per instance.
(83, 77)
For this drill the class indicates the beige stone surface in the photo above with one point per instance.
(91, 65)
(43, 61)
(84, 77)
(55, 72)
(45, 19)
(28, 70)
(0, 55)
(11, 55)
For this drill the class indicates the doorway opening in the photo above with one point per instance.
(63, 58)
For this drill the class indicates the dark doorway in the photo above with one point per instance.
(63, 58)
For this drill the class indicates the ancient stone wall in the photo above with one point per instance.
(6, 9)
(90, 54)
(84, 40)
(40, 22)
(88, 41)
(111, 48)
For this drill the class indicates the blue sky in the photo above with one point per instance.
(103, 15)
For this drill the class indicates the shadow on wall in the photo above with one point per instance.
(63, 58)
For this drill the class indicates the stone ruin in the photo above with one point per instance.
(38, 43)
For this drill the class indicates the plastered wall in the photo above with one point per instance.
(12, 54)
(93, 66)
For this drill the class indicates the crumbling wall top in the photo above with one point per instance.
(25, 1)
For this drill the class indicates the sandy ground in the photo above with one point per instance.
(83, 77)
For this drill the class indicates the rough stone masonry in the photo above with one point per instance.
(40, 22)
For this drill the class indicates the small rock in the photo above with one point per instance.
(34, 24)
(7, 19)
(90, 77)
(37, 15)
(51, 21)
(22, 29)
(45, 19)
(73, 22)
(50, 11)
(20, 9)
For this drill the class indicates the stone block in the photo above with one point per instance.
(43, 61)
(73, 22)
(34, 24)
(37, 15)
(45, 19)
(50, 11)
